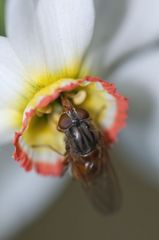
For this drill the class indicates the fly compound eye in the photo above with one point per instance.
(82, 114)
(65, 122)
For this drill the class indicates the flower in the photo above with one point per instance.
(41, 61)
(120, 26)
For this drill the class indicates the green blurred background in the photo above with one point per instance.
(2, 17)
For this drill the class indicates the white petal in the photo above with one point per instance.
(13, 90)
(66, 29)
(23, 196)
(139, 27)
(9, 123)
(12, 77)
(109, 17)
(23, 33)
(134, 26)
(138, 80)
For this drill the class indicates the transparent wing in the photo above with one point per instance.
(104, 191)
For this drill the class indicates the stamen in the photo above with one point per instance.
(53, 118)
(78, 98)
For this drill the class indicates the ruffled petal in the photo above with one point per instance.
(39, 139)
(108, 107)
(43, 160)
(66, 30)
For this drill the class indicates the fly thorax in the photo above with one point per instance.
(81, 137)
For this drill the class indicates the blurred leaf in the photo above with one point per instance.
(2, 2)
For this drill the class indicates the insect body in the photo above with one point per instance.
(87, 154)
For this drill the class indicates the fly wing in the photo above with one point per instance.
(104, 191)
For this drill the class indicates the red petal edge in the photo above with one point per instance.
(122, 108)
(56, 169)
(45, 169)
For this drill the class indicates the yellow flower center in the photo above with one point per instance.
(42, 130)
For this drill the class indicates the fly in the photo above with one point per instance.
(87, 155)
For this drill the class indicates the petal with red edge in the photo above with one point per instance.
(107, 107)
(43, 159)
